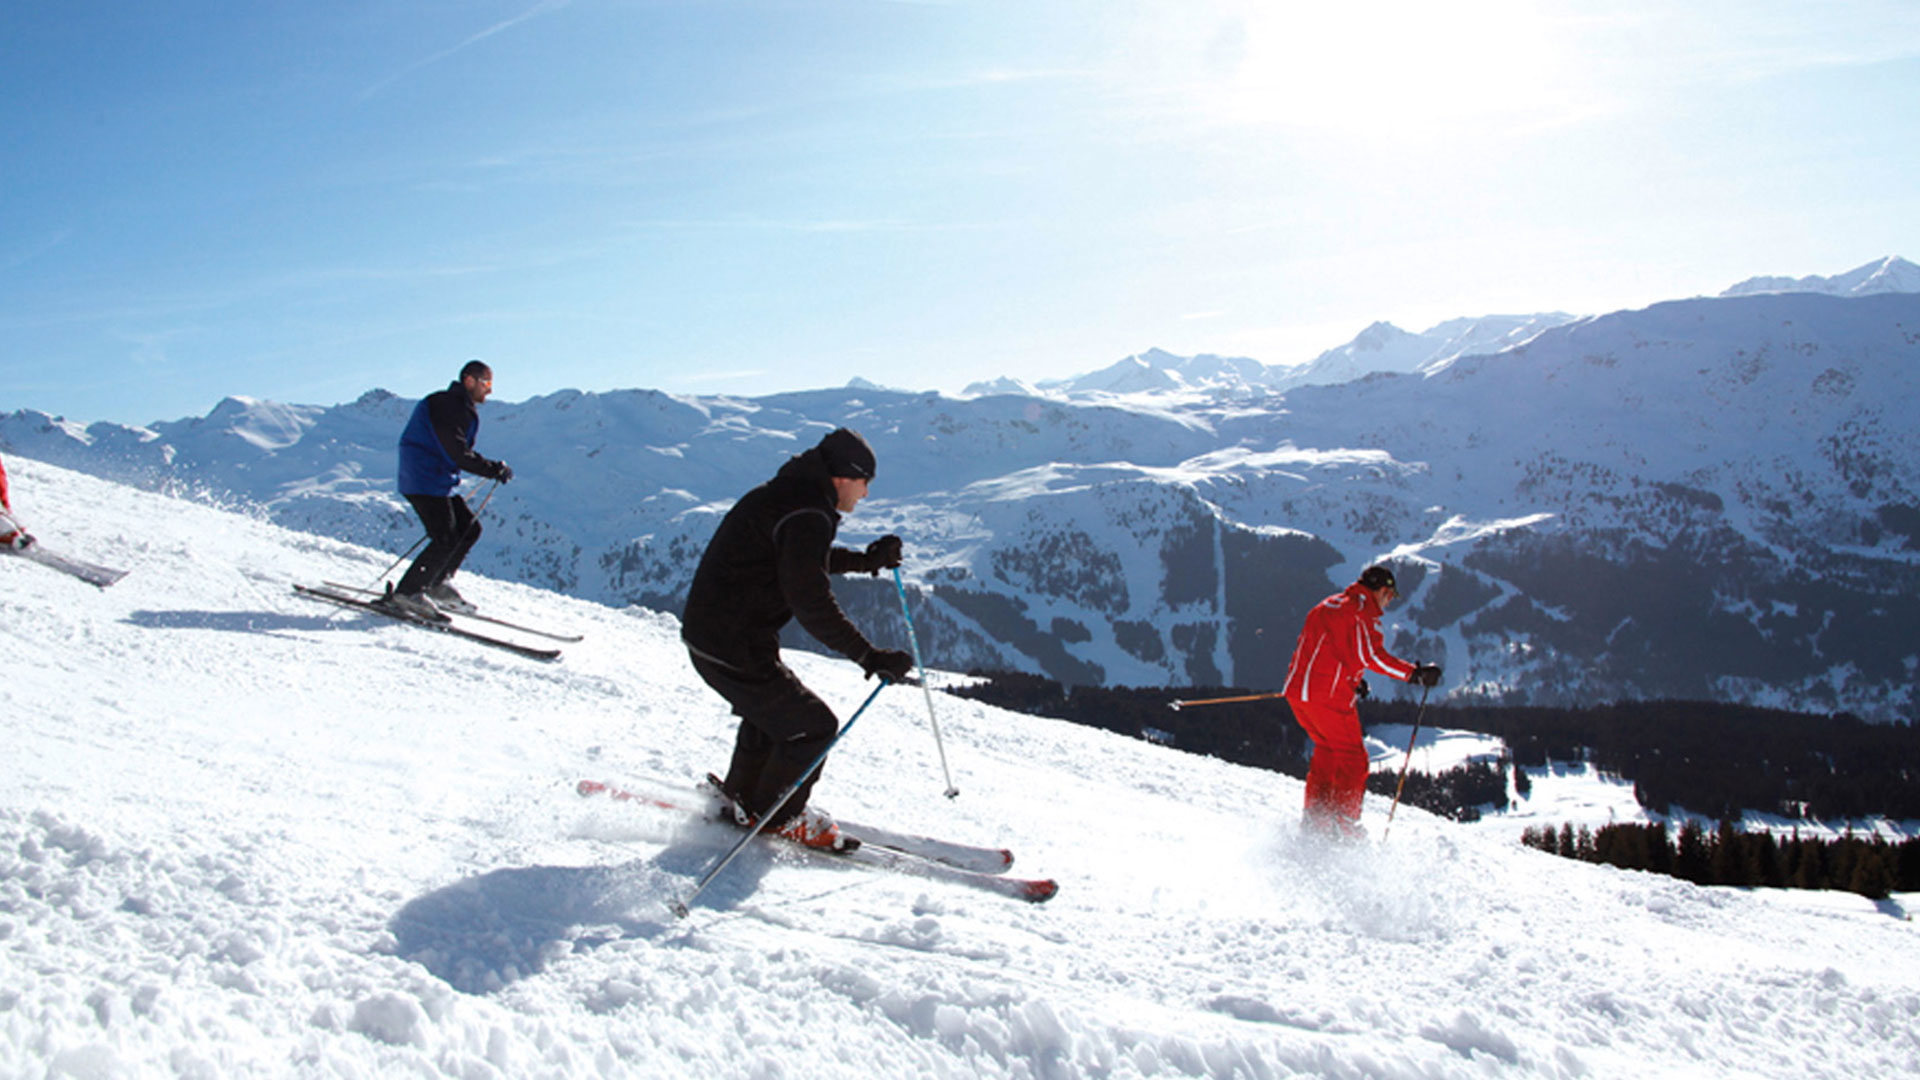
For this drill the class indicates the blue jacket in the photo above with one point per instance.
(437, 444)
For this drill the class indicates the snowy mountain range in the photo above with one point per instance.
(1707, 498)
(1380, 348)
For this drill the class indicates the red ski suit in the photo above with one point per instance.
(1339, 643)
(4, 504)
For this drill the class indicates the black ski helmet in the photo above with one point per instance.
(1378, 577)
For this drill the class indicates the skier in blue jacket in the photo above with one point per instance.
(435, 448)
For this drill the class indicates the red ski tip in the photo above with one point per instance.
(1040, 891)
(590, 787)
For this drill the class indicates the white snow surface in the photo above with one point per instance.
(243, 834)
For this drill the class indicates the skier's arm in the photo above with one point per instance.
(802, 545)
(450, 427)
(882, 554)
(1371, 651)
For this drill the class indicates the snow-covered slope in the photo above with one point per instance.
(242, 835)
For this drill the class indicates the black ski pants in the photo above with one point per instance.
(783, 727)
(451, 531)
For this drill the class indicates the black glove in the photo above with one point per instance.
(1360, 689)
(502, 471)
(883, 554)
(1425, 675)
(890, 664)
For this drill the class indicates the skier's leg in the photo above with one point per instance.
(1337, 777)
(466, 530)
(806, 726)
(783, 728)
(436, 513)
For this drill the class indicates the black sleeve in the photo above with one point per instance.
(450, 427)
(847, 561)
(802, 542)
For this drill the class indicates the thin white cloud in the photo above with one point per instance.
(801, 225)
(13, 260)
(541, 8)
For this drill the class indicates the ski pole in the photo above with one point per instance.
(382, 575)
(1402, 786)
(913, 642)
(680, 908)
(1176, 706)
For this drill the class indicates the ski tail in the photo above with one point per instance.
(551, 635)
(882, 846)
(97, 576)
(532, 652)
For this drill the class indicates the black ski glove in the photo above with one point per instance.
(1425, 675)
(1360, 689)
(883, 554)
(502, 471)
(893, 665)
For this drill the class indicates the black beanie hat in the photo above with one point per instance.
(1378, 577)
(847, 454)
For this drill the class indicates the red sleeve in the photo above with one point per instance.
(5, 504)
(1370, 648)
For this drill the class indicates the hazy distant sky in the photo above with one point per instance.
(302, 201)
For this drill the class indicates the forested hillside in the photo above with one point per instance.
(1710, 758)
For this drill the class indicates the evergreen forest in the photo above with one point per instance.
(1727, 856)
(1713, 759)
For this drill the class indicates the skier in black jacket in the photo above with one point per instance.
(767, 564)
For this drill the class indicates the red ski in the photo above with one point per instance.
(943, 860)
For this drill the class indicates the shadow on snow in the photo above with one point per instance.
(484, 933)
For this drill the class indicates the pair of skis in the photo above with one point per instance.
(348, 596)
(983, 868)
(98, 576)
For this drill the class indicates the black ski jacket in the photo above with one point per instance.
(768, 564)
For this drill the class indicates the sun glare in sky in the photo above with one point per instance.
(1402, 69)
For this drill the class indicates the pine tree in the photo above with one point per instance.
(1659, 849)
(1765, 864)
(1870, 877)
(1691, 860)
(1809, 870)
(1724, 864)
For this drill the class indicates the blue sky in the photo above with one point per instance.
(305, 201)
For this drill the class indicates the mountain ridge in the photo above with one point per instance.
(1704, 498)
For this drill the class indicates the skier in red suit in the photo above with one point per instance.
(1339, 644)
(11, 534)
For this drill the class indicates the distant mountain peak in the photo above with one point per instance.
(859, 383)
(1378, 336)
(1887, 275)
